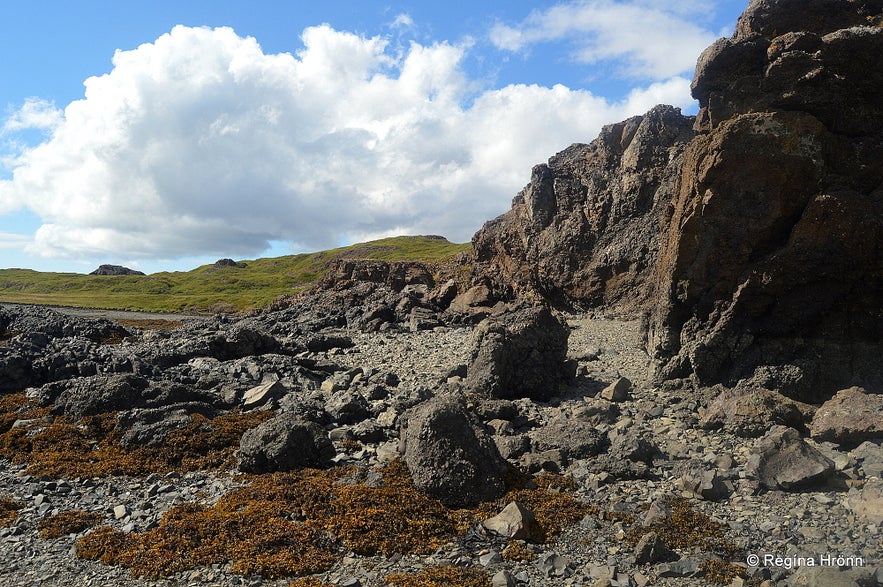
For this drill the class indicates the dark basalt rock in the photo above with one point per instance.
(115, 270)
(772, 265)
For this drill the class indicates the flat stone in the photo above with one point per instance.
(515, 522)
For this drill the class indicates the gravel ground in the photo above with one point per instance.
(810, 524)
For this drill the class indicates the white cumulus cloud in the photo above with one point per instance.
(199, 143)
(638, 38)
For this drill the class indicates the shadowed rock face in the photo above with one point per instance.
(772, 266)
(586, 228)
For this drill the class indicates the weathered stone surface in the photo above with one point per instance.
(867, 502)
(520, 353)
(263, 394)
(576, 439)
(651, 549)
(618, 391)
(750, 411)
(586, 228)
(450, 458)
(849, 418)
(515, 522)
(783, 460)
(283, 443)
(771, 268)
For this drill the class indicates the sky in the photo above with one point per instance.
(164, 135)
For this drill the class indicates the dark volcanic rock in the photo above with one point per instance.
(115, 270)
(450, 458)
(772, 265)
(521, 353)
(586, 228)
(783, 460)
(282, 444)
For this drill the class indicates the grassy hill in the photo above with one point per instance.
(249, 284)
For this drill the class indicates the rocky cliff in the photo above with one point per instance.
(750, 236)
(585, 231)
(772, 266)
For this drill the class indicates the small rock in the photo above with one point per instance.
(618, 391)
(503, 579)
(515, 522)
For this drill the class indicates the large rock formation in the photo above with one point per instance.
(585, 231)
(751, 240)
(772, 266)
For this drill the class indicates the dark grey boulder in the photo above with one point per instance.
(576, 439)
(89, 396)
(283, 443)
(521, 353)
(449, 457)
(783, 460)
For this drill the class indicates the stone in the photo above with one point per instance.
(347, 407)
(519, 353)
(651, 549)
(283, 443)
(514, 522)
(618, 391)
(555, 565)
(120, 512)
(781, 459)
(449, 457)
(503, 579)
(849, 418)
(115, 270)
(867, 501)
(750, 411)
(263, 394)
(704, 484)
(576, 439)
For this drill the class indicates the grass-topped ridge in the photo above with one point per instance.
(209, 288)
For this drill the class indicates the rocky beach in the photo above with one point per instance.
(660, 367)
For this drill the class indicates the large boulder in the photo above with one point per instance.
(771, 267)
(449, 457)
(521, 353)
(783, 460)
(750, 411)
(585, 230)
(283, 443)
(849, 418)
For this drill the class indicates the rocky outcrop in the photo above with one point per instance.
(585, 230)
(772, 266)
(115, 270)
(519, 353)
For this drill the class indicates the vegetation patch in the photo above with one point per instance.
(70, 522)
(91, 447)
(9, 511)
(298, 523)
(441, 577)
(210, 288)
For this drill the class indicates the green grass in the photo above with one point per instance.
(206, 288)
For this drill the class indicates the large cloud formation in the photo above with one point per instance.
(199, 143)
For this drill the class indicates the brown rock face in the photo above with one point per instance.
(586, 228)
(772, 265)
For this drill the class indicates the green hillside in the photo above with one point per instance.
(249, 284)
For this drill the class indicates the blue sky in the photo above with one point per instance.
(164, 135)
